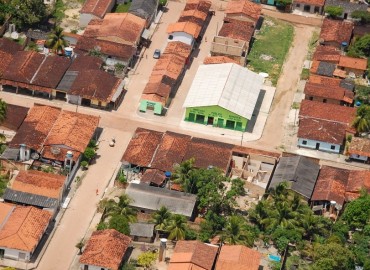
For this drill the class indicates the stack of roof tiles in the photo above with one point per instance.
(168, 69)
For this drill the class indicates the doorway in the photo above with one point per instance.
(210, 121)
(191, 117)
(230, 124)
(317, 146)
(199, 119)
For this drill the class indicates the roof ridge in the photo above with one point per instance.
(38, 69)
(227, 79)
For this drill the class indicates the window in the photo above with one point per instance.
(304, 142)
(310, 98)
(298, 5)
(332, 147)
(324, 100)
(170, 37)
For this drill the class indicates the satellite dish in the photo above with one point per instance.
(35, 156)
(14, 35)
(55, 150)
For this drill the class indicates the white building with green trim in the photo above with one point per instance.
(223, 95)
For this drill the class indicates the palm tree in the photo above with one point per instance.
(362, 120)
(2, 110)
(56, 41)
(122, 208)
(176, 226)
(161, 218)
(236, 232)
(182, 175)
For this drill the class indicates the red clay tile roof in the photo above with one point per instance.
(169, 65)
(170, 151)
(195, 254)
(328, 81)
(154, 98)
(187, 27)
(321, 130)
(121, 51)
(39, 183)
(105, 249)
(326, 111)
(72, 131)
(96, 7)
(24, 66)
(327, 54)
(36, 127)
(359, 146)
(353, 63)
(209, 153)
(246, 7)
(336, 93)
(95, 84)
(6, 59)
(178, 48)
(82, 62)
(15, 116)
(9, 46)
(153, 176)
(236, 29)
(218, 60)
(201, 5)
(319, 3)
(5, 210)
(238, 257)
(124, 28)
(336, 31)
(194, 16)
(24, 228)
(331, 185)
(340, 73)
(142, 147)
(160, 85)
(357, 181)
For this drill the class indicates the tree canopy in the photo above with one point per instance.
(26, 12)
(333, 11)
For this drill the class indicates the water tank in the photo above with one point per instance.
(68, 51)
(69, 154)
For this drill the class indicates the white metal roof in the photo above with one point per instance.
(229, 86)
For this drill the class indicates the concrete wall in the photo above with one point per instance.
(92, 267)
(14, 254)
(240, 17)
(144, 104)
(182, 37)
(358, 157)
(321, 99)
(323, 146)
(220, 115)
(308, 8)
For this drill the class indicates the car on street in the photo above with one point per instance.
(157, 54)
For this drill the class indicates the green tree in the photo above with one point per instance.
(283, 3)
(122, 208)
(27, 12)
(120, 224)
(128, 266)
(183, 175)
(362, 120)
(160, 218)
(176, 227)
(364, 16)
(360, 47)
(333, 11)
(332, 256)
(56, 41)
(357, 213)
(146, 259)
(237, 232)
(84, 164)
(80, 245)
(89, 153)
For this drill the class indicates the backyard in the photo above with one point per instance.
(270, 48)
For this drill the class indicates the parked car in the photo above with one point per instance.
(157, 54)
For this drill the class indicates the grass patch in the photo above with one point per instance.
(305, 74)
(273, 41)
(313, 44)
(122, 8)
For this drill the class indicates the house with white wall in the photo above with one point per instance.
(359, 149)
(186, 32)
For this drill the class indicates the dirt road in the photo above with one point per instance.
(293, 18)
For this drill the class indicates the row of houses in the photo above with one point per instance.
(327, 113)
(234, 39)
(184, 36)
(77, 80)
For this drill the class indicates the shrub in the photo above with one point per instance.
(84, 164)
(333, 11)
(89, 153)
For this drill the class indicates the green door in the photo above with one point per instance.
(220, 122)
(199, 119)
(271, 2)
(239, 126)
(230, 124)
(191, 117)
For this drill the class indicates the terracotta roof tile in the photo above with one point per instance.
(169, 65)
(209, 153)
(340, 73)
(326, 111)
(83, 62)
(9, 46)
(178, 48)
(195, 254)
(236, 29)
(324, 80)
(160, 85)
(336, 93)
(336, 31)
(170, 151)
(96, 7)
(319, 3)
(105, 249)
(39, 183)
(5, 210)
(187, 27)
(201, 5)
(95, 84)
(360, 146)
(321, 130)
(36, 127)
(327, 54)
(142, 147)
(195, 16)
(218, 60)
(15, 116)
(353, 63)
(238, 258)
(154, 98)
(72, 131)
(24, 228)
(154, 176)
(357, 181)
(124, 28)
(246, 7)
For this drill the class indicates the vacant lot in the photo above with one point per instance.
(271, 47)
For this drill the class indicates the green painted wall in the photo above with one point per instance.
(144, 104)
(221, 117)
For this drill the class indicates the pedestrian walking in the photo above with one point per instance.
(97, 192)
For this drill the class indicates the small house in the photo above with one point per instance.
(145, 9)
(243, 10)
(142, 232)
(95, 9)
(359, 149)
(309, 6)
(336, 33)
(238, 257)
(357, 66)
